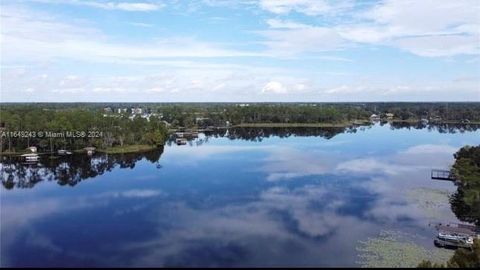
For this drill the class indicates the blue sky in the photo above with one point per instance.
(246, 50)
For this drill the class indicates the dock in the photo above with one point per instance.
(458, 229)
(442, 175)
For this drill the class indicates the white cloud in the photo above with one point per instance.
(363, 33)
(217, 83)
(431, 149)
(179, 83)
(133, 6)
(370, 165)
(427, 16)
(139, 193)
(108, 89)
(110, 5)
(285, 163)
(377, 90)
(425, 28)
(301, 40)
(285, 24)
(33, 36)
(274, 87)
(345, 89)
(308, 7)
(179, 68)
(431, 28)
(447, 45)
(28, 90)
(141, 24)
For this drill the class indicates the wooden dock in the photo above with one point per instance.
(442, 175)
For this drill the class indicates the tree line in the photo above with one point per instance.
(107, 131)
(121, 125)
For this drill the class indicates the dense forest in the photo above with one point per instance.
(107, 125)
(465, 204)
(189, 114)
(74, 129)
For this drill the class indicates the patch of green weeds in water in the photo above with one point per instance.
(396, 249)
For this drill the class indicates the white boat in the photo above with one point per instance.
(63, 152)
(181, 141)
(455, 237)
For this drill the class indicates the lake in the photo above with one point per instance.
(251, 197)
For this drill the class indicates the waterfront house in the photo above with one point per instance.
(374, 117)
(31, 157)
(121, 110)
(436, 118)
(90, 150)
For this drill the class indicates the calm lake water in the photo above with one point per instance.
(251, 198)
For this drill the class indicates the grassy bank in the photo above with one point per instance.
(128, 149)
(111, 150)
(18, 153)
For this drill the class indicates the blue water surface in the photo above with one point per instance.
(278, 201)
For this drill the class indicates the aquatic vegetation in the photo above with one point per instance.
(397, 249)
(434, 203)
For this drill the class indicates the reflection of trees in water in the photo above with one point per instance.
(68, 170)
(464, 212)
(441, 128)
(258, 134)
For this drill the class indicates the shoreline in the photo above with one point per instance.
(134, 148)
(281, 125)
(415, 121)
(138, 148)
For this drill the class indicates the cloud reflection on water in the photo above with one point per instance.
(309, 207)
